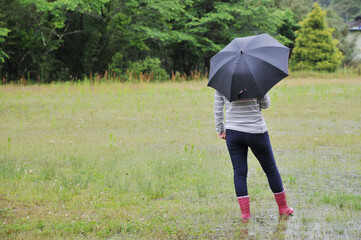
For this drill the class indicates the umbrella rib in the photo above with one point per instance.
(232, 81)
(228, 51)
(253, 77)
(269, 46)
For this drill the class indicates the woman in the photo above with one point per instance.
(245, 127)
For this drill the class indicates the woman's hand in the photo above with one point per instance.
(222, 135)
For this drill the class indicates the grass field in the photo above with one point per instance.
(143, 161)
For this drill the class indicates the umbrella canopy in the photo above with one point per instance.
(248, 67)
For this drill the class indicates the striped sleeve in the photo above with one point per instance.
(264, 102)
(218, 111)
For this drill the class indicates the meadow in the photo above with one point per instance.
(143, 161)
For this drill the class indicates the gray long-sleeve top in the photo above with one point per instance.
(243, 115)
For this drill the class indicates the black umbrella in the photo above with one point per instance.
(248, 67)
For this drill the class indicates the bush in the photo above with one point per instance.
(148, 69)
(117, 64)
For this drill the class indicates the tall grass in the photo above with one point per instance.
(344, 72)
(130, 76)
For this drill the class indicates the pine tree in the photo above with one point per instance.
(315, 48)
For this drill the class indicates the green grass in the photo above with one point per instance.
(143, 161)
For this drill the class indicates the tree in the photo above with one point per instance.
(299, 7)
(347, 9)
(141, 28)
(71, 39)
(3, 33)
(38, 30)
(287, 28)
(339, 14)
(24, 45)
(340, 33)
(315, 48)
(208, 26)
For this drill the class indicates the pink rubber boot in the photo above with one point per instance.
(282, 204)
(244, 204)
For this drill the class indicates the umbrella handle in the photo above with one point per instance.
(240, 92)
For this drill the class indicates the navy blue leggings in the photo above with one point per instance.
(238, 143)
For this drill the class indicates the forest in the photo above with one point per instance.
(61, 40)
